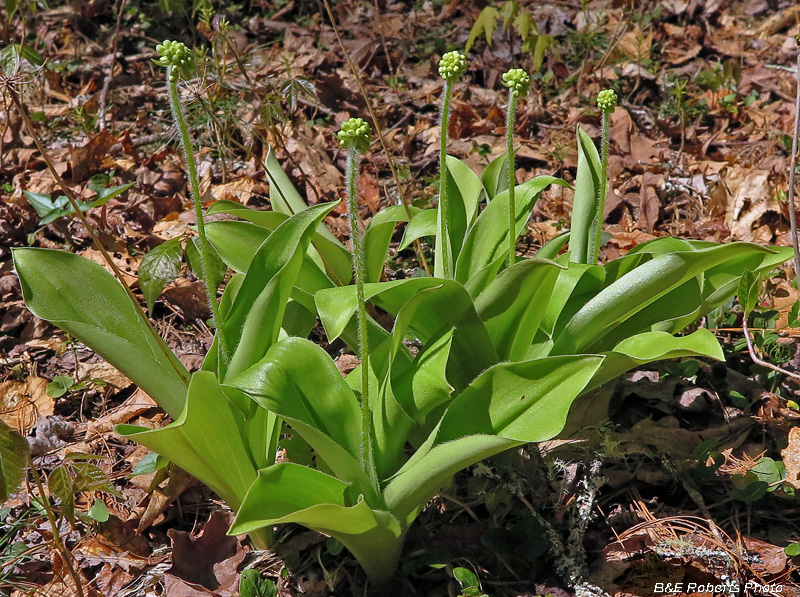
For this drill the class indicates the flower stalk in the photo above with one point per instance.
(518, 83)
(178, 60)
(354, 137)
(607, 102)
(451, 67)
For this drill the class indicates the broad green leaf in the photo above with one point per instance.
(465, 577)
(59, 386)
(513, 305)
(584, 205)
(283, 195)
(378, 235)
(254, 321)
(104, 195)
(488, 236)
(485, 24)
(636, 290)
(525, 401)
(495, 177)
(238, 242)
(749, 291)
(150, 463)
(298, 380)
(158, 268)
(99, 511)
(205, 440)
(59, 483)
(83, 299)
(252, 585)
(215, 263)
(422, 224)
(331, 257)
(430, 470)
(289, 492)
(463, 195)
(42, 203)
(449, 306)
(510, 403)
(654, 346)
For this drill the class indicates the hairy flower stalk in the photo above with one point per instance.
(451, 67)
(178, 60)
(518, 83)
(607, 102)
(354, 137)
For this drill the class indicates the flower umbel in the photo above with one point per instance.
(518, 81)
(452, 65)
(607, 101)
(355, 132)
(177, 55)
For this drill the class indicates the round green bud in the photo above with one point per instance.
(177, 55)
(607, 101)
(355, 132)
(518, 81)
(452, 65)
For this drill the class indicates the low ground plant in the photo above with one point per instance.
(502, 346)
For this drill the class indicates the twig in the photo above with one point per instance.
(792, 168)
(758, 360)
(378, 131)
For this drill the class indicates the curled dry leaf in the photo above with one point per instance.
(791, 458)
(23, 402)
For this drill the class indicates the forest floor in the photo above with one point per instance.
(692, 479)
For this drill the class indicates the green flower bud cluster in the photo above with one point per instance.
(177, 55)
(607, 100)
(355, 133)
(518, 81)
(452, 65)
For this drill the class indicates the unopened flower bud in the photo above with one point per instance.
(355, 132)
(452, 65)
(518, 81)
(607, 100)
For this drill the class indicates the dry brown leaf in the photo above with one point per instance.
(135, 405)
(92, 156)
(791, 458)
(23, 402)
(239, 190)
(190, 298)
(206, 564)
(160, 499)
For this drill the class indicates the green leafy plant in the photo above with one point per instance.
(219, 440)
(504, 346)
(468, 580)
(512, 15)
(50, 210)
